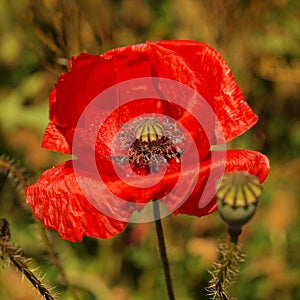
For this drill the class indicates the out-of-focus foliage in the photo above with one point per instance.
(261, 43)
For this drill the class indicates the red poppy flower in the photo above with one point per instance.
(141, 121)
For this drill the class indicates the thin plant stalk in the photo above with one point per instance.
(162, 250)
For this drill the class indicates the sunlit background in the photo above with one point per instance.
(260, 41)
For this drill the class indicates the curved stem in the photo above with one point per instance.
(162, 249)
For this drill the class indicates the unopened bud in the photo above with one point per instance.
(237, 198)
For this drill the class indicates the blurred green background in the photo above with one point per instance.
(260, 41)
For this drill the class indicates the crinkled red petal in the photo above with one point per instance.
(56, 138)
(252, 162)
(57, 200)
(90, 75)
(203, 69)
(249, 161)
(191, 63)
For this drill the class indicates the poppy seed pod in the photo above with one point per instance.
(237, 199)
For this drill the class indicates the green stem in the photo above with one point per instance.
(162, 249)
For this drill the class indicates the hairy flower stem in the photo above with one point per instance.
(20, 264)
(162, 250)
(13, 253)
(225, 268)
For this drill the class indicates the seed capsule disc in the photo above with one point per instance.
(239, 189)
(148, 130)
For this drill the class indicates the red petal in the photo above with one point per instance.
(252, 162)
(249, 161)
(90, 74)
(57, 200)
(88, 77)
(203, 69)
(191, 63)
(55, 139)
(136, 190)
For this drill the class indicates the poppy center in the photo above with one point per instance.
(150, 143)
